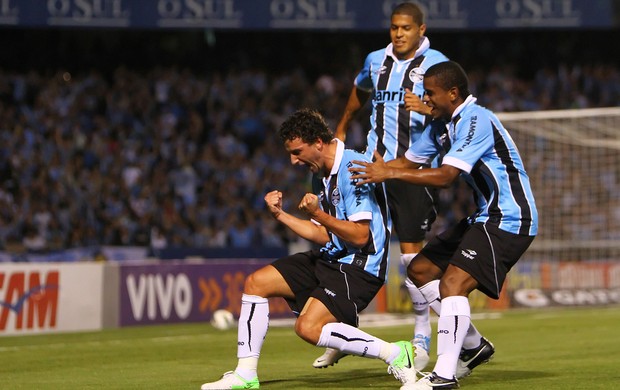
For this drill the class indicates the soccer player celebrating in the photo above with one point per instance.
(479, 251)
(393, 77)
(326, 287)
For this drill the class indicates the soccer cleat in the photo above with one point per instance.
(472, 358)
(433, 381)
(421, 346)
(402, 367)
(330, 357)
(230, 380)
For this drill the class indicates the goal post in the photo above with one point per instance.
(573, 160)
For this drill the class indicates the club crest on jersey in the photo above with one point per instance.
(335, 198)
(416, 75)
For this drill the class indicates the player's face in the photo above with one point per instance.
(302, 153)
(440, 101)
(405, 34)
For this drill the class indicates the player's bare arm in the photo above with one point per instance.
(304, 228)
(357, 99)
(380, 171)
(356, 233)
(414, 103)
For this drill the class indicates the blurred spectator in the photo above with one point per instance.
(166, 156)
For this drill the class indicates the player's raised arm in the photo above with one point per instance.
(357, 99)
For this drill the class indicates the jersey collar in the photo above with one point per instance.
(336, 166)
(425, 44)
(470, 100)
(337, 157)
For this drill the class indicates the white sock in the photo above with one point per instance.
(431, 291)
(251, 332)
(420, 305)
(354, 341)
(453, 324)
(472, 338)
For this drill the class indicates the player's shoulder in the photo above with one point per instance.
(433, 57)
(476, 111)
(350, 155)
(376, 55)
(476, 116)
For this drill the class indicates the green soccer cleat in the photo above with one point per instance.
(402, 367)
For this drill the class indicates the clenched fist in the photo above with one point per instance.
(273, 200)
(309, 204)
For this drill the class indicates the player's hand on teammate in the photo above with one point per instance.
(309, 204)
(273, 200)
(365, 172)
(414, 103)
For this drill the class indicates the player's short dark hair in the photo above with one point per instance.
(306, 124)
(410, 9)
(450, 74)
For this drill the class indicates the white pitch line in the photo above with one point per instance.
(158, 339)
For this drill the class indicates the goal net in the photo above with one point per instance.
(573, 160)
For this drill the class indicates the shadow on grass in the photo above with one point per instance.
(349, 379)
(379, 379)
(503, 376)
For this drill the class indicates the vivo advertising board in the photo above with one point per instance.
(303, 14)
(169, 292)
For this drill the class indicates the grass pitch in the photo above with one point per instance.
(535, 349)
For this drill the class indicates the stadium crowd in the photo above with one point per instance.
(170, 157)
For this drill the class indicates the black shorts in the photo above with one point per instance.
(413, 209)
(484, 251)
(344, 289)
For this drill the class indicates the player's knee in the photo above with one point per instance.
(422, 271)
(254, 284)
(307, 330)
(456, 284)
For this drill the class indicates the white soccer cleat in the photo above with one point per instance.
(421, 346)
(230, 380)
(330, 357)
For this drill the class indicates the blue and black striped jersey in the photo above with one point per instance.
(342, 199)
(477, 143)
(393, 128)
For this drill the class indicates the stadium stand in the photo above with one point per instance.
(143, 152)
